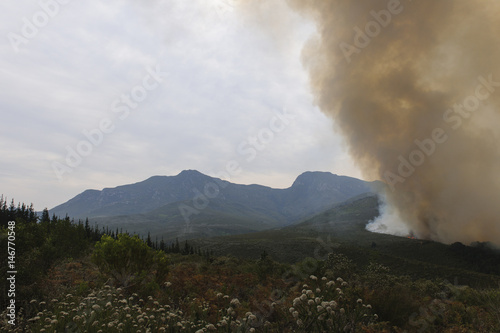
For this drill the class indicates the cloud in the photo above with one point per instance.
(224, 82)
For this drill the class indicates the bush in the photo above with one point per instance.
(129, 261)
(340, 264)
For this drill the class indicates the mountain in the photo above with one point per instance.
(196, 204)
(135, 198)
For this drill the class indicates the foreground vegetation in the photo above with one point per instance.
(104, 282)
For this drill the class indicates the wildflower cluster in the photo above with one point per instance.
(323, 306)
(110, 310)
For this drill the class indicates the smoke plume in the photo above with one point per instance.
(414, 87)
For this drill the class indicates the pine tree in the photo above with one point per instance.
(45, 216)
(177, 248)
(88, 232)
(12, 211)
(32, 214)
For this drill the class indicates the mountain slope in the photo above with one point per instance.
(135, 198)
(311, 192)
(192, 201)
(341, 230)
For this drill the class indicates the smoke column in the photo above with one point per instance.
(414, 87)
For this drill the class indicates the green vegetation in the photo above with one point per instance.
(342, 230)
(75, 278)
(39, 243)
(130, 261)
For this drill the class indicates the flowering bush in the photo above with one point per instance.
(110, 310)
(323, 307)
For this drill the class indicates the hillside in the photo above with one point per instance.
(342, 230)
(192, 204)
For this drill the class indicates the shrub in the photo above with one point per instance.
(129, 261)
(340, 264)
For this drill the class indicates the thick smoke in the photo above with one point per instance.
(414, 87)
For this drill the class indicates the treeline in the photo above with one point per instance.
(40, 241)
(175, 247)
(11, 212)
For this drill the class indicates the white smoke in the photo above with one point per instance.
(389, 221)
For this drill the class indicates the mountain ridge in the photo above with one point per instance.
(193, 201)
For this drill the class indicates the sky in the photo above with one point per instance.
(102, 94)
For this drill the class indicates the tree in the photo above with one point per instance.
(128, 260)
(88, 231)
(177, 248)
(265, 266)
(45, 216)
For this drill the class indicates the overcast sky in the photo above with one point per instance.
(159, 87)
